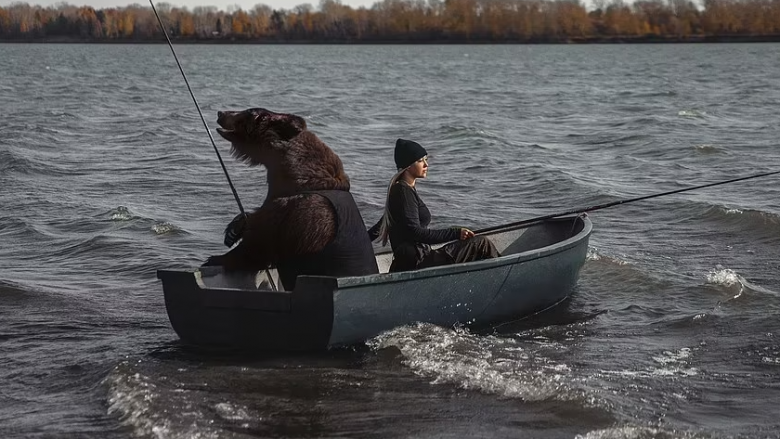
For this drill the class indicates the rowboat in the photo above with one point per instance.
(538, 268)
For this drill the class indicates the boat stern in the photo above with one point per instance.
(244, 317)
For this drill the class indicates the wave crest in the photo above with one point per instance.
(121, 213)
(594, 255)
(636, 432)
(756, 221)
(707, 149)
(124, 215)
(735, 283)
(724, 276)
(485, 363)
(691, 113)
(166, 228)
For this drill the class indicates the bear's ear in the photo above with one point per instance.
(287, 126)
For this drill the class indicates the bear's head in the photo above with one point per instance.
(296, 159)
(256, 132)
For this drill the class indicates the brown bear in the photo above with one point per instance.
(309, 222)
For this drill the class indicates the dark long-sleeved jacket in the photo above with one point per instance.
(410, 237)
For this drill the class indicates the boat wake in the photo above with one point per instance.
(489, 364)
(594, 255)
(637, 432)
(142, 405)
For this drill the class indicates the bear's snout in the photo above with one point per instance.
(230, 124)
(222, 117)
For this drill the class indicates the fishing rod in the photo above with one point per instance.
(224, 169)
(533, 221)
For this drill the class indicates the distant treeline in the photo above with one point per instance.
(408, 21)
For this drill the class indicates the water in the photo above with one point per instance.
(107, 174)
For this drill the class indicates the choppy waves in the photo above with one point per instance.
(11, 163)
(107, 176)
(756, 221)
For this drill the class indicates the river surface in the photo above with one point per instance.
(107, 174)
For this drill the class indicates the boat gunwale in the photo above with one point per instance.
(485, 264)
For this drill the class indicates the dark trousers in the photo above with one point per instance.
(472, 249)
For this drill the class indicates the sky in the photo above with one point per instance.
(220, 4)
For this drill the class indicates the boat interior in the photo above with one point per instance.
(512, 241)
(508, 241)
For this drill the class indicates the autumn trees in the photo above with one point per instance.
(403, 21)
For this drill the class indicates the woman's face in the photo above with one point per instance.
(419, 169)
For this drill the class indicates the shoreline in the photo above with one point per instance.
(407, 41)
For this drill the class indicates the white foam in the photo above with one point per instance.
(673, 357)
(729, 278)
(151, 411)
(163, 228)
(723, 276)
(674, 363)
(676, 371)
(671, 364)
(691, 113)
(122, 214)
(594, 255)
(633, 432)
(232, 412)
(488, 364)
(130, 397)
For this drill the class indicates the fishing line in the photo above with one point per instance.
(533, 221)
(224, 169)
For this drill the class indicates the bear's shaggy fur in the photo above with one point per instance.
(289, 222)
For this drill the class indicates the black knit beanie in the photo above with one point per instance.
(407, 152)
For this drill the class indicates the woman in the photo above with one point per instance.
(406, 218)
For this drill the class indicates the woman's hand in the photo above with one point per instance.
(465, 234)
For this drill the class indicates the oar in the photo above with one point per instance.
(222, 163)
(533, 221)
